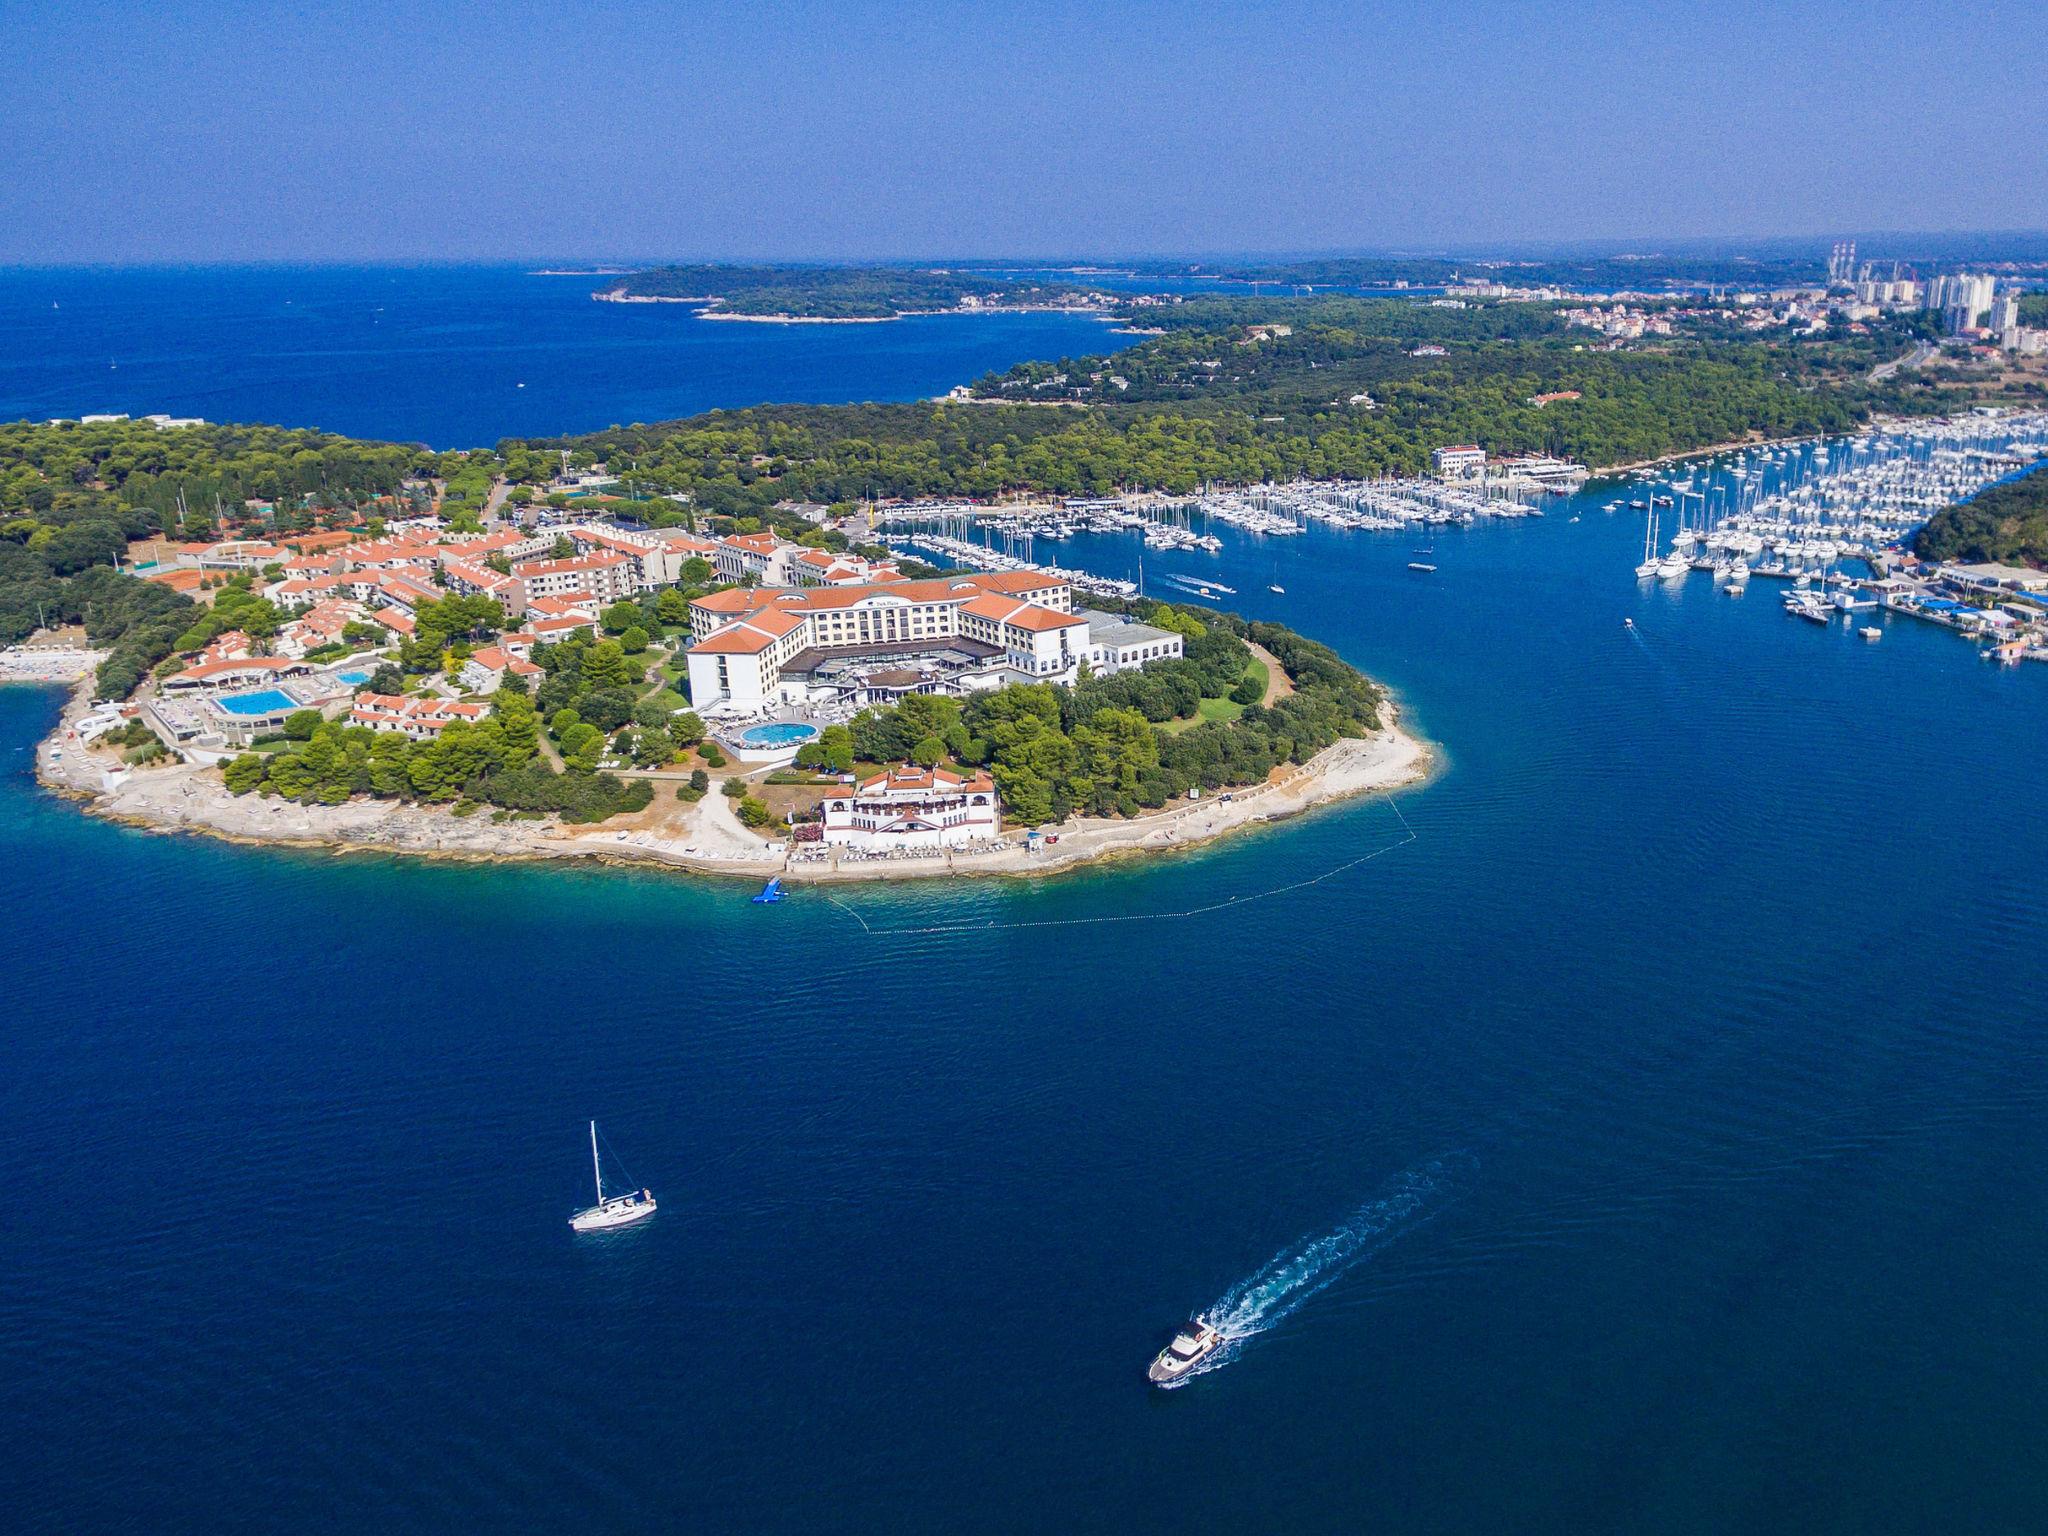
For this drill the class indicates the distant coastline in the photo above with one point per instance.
(708, 308)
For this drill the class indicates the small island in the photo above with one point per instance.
(800, 295)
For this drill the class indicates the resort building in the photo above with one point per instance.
(757, 646)
(230, 645)
(321, 625)
(212, 676)
(762, 556)
(605, 574)
(822, 568)
(655, 557)
(1464, 459)
(469, 578)
(486, 671)
(911, 807)
(1118, 644)
(417, 719)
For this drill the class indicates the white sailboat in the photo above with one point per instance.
(1649, 566)
(610, 1210)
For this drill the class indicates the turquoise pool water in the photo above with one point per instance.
(783, 733)
(268, 701)
(353, 678)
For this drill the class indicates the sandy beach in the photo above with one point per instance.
(705, 838)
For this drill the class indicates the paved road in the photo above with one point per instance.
(1919, 357)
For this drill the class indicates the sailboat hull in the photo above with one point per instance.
(621, 1211)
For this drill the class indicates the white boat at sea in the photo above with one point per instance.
(1195, 1342)
(611, 1210)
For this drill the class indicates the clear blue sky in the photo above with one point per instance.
(210, 129)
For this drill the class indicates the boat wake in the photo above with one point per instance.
(1258, 1303)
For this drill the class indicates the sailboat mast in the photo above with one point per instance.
(596, 1169)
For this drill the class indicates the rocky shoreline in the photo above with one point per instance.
(704, 838)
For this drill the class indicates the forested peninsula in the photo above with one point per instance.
(2007, 524)
(1241, 389)
(839, 293)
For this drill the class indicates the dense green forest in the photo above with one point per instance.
(495, 761)
(1241, 402)
(138, 622)
(134, 475)
(838, 293)
(2006, 523)
(73, 494)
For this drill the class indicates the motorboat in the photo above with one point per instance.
(1194, 1343)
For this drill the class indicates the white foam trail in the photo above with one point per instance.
(1260, 1301)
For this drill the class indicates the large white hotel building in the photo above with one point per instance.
(754, 647)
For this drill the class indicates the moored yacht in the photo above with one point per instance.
(1195, 1342)
(611, 1210)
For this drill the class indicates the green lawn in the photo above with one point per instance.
(1209, 709)
(1221, 709)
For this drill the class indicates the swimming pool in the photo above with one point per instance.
(784, 733)
(352, 678)
(268, 701)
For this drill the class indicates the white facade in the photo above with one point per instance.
(605, 575)
(1119, 645)
(744, 637)
(762, 556)
(912, 807)
(1464, 459)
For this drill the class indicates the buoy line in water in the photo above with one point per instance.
(1409, 835)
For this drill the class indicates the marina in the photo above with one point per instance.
(1832, 517)
(1005, 537)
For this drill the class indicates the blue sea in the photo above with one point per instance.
(456, 357)
(1638, 1127)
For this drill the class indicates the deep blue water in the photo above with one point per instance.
(456, 357)
(1681, 1083)
(1663, 1117)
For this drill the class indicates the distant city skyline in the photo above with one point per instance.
(228, 131)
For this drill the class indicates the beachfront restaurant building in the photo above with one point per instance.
(913, 807)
